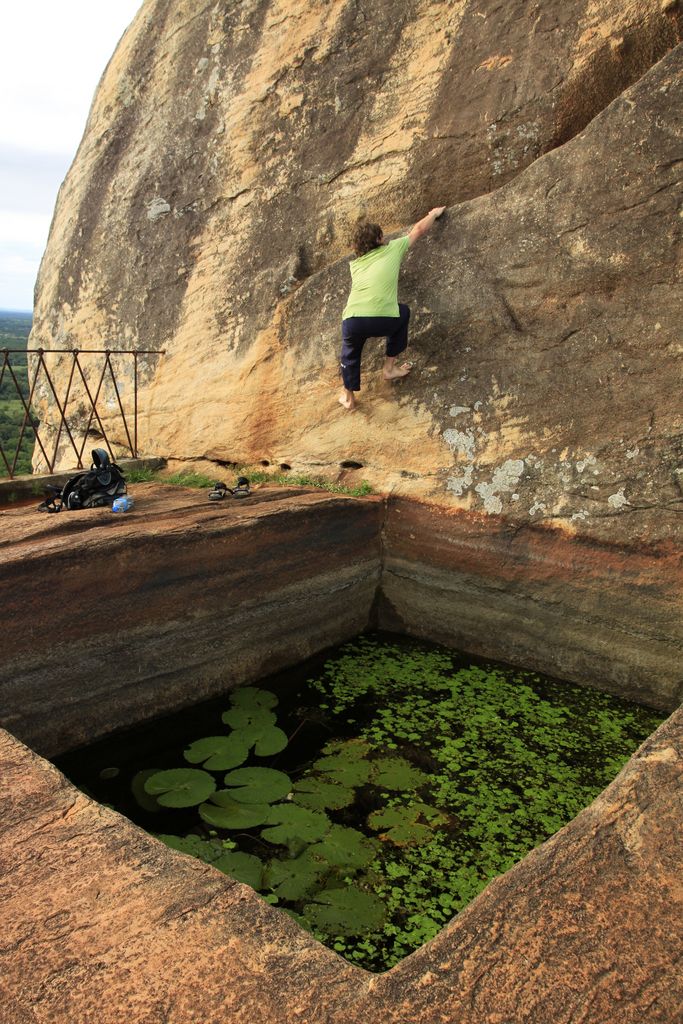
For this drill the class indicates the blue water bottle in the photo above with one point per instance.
(123, 504)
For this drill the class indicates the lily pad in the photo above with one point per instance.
(218, 752)
(137, 785)
(253, 697)
(243, 867)
(319, 794)
(265, 739)
(396, 773)
(345, 847)
(401, 824)
(345, 768)
(242, 718)
(258, 785)
(347, 911)
(291, 824)
(180, 787)
(224, 812)
(295, 878)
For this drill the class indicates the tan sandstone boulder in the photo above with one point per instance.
(206, 214)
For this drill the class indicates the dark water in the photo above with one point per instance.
(452, 768)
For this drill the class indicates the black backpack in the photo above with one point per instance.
(93, 488)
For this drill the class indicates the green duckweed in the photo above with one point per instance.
(437, 773)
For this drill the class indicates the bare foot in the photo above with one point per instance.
(348, 401)
(397, 371)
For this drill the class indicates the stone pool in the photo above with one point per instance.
(111, 621)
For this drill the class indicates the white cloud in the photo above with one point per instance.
(28, 178)
(23, 228)
(19, 266)
(17, 277)
(22, 242)
(53, 56)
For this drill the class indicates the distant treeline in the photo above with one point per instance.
(14, 332)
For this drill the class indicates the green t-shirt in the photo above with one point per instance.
(374, 281)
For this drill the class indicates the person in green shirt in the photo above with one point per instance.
(373, 309)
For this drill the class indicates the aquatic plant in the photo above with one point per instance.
(180, 787)
(345, 911)
(455, 771)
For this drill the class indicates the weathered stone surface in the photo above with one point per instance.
(547, 326)
(229, 148)
(101, 923)
(579, 609)
(111, 619)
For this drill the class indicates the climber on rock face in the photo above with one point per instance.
(373, 310)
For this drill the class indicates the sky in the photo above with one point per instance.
(53, 56)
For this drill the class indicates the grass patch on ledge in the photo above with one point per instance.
(186, 478)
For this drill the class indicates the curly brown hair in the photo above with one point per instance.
(366, 237)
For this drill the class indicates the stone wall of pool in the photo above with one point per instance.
(109, 620)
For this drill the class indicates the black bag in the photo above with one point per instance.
(93, 488)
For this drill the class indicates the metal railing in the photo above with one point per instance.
(39, 378)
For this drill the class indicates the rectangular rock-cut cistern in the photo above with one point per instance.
(102, 922)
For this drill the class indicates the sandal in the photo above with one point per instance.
(242, 489)
(219, 491)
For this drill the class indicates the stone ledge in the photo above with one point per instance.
(599, 614)
(110, 619)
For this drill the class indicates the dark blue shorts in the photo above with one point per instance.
(355, 332)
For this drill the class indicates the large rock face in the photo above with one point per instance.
(229, 149)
